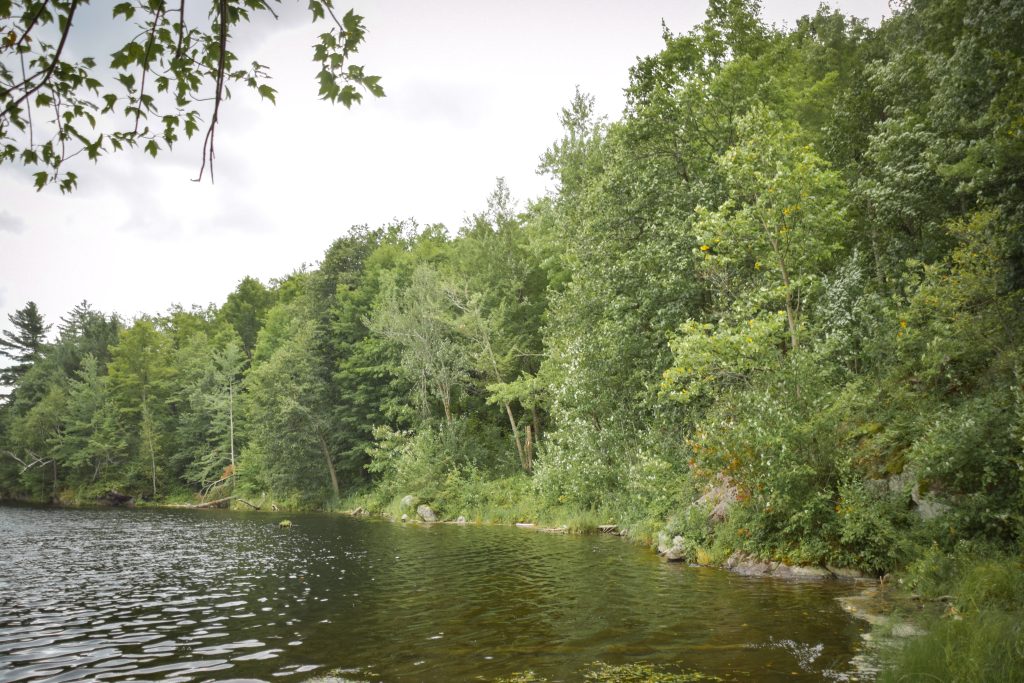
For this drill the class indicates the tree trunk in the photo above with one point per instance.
(231, 423)
(536, 424)
(515, 435)
(330, 463)
(790, 317)
(528, 464)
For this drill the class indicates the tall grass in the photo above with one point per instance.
(981, 636)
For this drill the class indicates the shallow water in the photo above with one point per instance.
(189, 595)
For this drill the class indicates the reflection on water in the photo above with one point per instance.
(181, 595)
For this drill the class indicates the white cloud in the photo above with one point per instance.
(474, 91)
(10, 223)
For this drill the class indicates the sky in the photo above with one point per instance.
(474, 91)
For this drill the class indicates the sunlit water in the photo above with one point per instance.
(187, 595)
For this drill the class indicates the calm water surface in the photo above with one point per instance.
(106, 595)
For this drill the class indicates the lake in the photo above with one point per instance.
(187, 595)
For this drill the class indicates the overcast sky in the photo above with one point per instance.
(474, 92)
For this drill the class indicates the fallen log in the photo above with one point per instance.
(221, 501)
(214, 503)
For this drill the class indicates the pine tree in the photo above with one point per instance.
(24, 344)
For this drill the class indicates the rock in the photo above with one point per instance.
(719, 498)
(745, 565)
(358, 512)
(785, 571)
(674, 551)
(525, 525)
(407, 504)
(460, 520)
(848, 573)
(426, 514)
(927, 506)
(405, 518)
(116, 499)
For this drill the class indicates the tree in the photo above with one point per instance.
(290, 419)
(54, 107)
(24, 344)
(246, 310)
(786, 217)
(140, 374)
(207, 407)
(421, 320)
(90, 442)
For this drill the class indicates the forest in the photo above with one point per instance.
(792, 271)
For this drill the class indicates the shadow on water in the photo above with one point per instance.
(184, 595)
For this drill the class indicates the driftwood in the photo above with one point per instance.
(220, 501)
(215, 503)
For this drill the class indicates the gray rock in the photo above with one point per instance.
(927, 506)
(847, 573)
(719, 498)
(745, 565)
(405, 518)
(408, 504)
(460, 520)
(786, 571)
(426, 514)
(674, 551)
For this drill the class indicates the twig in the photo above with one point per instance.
(145, 67)
(208, 149)
(49, 70)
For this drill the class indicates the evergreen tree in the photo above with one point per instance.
(24, 344)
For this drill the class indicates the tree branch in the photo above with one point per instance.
(49, 70)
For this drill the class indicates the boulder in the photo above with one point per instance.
(426, 514)
(407, 504)
(848, 573)
(674, 551)
(116, 498)
(460, 520)
(405, 518)
(719, 498)
(927, 506)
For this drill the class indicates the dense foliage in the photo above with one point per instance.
(792, 272)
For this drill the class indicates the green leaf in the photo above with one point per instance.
(317, 8)
(268, 93)
(124, 8)
(41, 178)
(152, 148)
(352, 22)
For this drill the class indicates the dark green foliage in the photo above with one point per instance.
(246, 310)
(23, 344)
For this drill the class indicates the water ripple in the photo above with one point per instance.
(110, 595)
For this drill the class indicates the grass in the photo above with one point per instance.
(981, 636)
